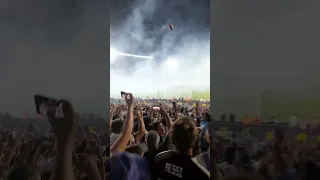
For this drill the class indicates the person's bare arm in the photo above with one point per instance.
(65, 129)
(121, 143)
(198, 109)
(12, 152)
(101, 161)
(93, 170)
(142, 129)
(32, 156)
(166, 117)
(152, 115)
(63, 169)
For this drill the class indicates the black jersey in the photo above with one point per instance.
(171, 165)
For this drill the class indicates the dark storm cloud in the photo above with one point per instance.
(54, 47)
(265, 41)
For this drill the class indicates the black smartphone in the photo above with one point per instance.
(45, 105)
(125, 95)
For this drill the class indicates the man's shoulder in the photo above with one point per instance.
(173, 157)
(184, 161)
(114, 135)
(202, 155)
(199, 166)
(164, 155)
(189, 167)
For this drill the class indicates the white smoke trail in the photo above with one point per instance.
(188, 66)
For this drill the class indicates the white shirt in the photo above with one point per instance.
(114, 137)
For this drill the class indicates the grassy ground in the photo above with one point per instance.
(280, 105)
(195, 95)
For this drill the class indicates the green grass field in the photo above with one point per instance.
(196, 95)
(278, 104)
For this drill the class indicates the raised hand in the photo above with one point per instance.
(162, 110)
(65, 127)
(130, 101)
(138, 113)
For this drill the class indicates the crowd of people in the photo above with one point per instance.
(291, 154)
(157, 140)
(171, 142)
(53, 148)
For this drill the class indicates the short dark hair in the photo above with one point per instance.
(207, 116)
(135, 149)
(230, 155)
(135, 127)
(19, 173)
(116, 126)
(147, 121)
(156, 125)
(116, 116)
(183, 134)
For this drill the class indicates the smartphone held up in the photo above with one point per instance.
(48, 106)
(125, 95)
(156, 108)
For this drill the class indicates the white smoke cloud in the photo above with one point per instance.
(188, 66)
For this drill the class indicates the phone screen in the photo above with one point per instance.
(123, 94)
(45, 105)
(156, 108)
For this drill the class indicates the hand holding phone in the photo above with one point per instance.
(48, 106)
(129, 99)
(125, 95)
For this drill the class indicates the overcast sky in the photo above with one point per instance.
(60, 47)
(271, 44)
(54, 47)
(57, 47)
